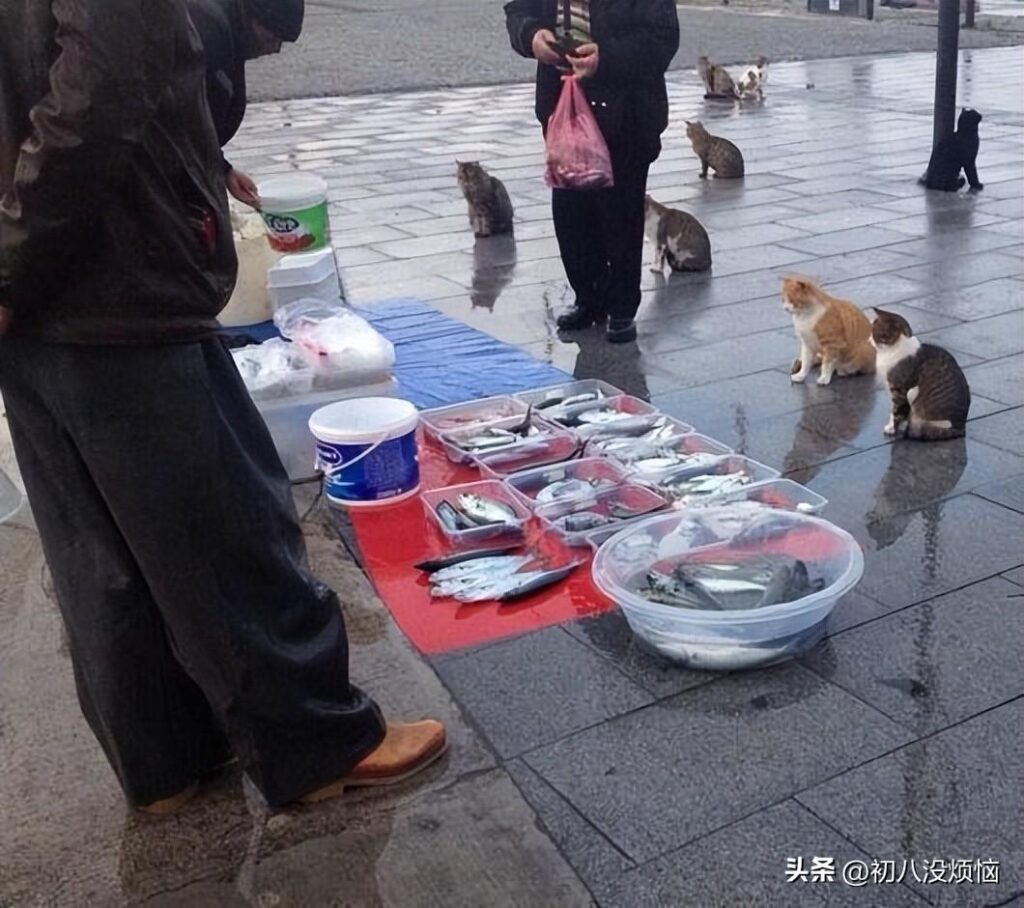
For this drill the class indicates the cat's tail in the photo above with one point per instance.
(935, 430)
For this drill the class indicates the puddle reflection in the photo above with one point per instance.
(494, 265)
(621, 365)
(919, 476)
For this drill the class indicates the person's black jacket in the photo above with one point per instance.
(113, 212)
(636, 39)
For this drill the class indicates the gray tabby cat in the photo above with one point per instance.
(678, 238)
(717, 81)
(930, 394)
(719, 154)
(490, 208)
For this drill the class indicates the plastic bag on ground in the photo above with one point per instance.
(576, 153)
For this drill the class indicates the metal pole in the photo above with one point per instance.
(945, 70)
(969, 14)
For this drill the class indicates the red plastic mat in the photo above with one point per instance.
(394, 538)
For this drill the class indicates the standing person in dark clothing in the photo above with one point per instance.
(622, 51)
(196, 632)
(232, 32)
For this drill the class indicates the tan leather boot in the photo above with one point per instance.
(172, 804)
(407, 749)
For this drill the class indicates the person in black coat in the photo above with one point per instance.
(232, 32)
(621, 51)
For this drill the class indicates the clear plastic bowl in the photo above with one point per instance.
(691, 444)
(735, 639)
(729, 463)
(487, 488)
(782, 494)
(629, 496)
(525, 486)
(452, 441)
(473, 414)
(569, 389)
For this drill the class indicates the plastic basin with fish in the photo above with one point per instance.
(473, 414)
(489, 489)
(733, 639)
(612, 510)
(589, 474)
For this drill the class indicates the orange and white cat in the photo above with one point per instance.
(831, 331)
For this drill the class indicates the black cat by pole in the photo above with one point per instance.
(945, 71)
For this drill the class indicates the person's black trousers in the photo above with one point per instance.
(601, 238)
(167, 521)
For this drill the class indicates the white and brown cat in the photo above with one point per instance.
(929, 391)
(831, 331)
(677, 238)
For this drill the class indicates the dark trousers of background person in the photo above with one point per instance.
(167, 521)
(601, 238)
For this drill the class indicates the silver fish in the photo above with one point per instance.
(481, 567)
(582, 521)
(566, 489)
(452, 519)
(631, 425)
(486, 511)
(514, 586)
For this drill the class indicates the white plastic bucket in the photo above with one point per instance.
(294, 210)
(366, 449)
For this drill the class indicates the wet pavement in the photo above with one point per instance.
(584, 768)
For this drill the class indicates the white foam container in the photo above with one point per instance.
(304, 275)
(736, 639)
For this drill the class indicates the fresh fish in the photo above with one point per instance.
(539, 581)
(486, 511)
(582, 521)
(631, 425)
(481, 567)
(620, 511)
(439, 564)
(565, 489)
(656, 463)
(678, 591)
(530, 454)
(584, 397)
(600, 417)
(663, 432)
(727, 656)
(523, 428)
(452, 520)
(706, 484)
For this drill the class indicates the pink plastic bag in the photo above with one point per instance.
(576, 153)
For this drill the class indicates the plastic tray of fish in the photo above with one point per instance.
(587, 418)
(473, 414)
(505, 435)
(566, 481)
(475, 511)
(726, 588)
(552, 447)
(558, 398)
(695, 486)
(648, 457)
(782, 494)
(589, 521)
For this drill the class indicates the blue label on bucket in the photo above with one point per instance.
(390, 470)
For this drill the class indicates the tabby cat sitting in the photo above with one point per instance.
(718, 84)
(831, 331)
(490, 208)
(929, 391)
(719, 154)
(678, 238)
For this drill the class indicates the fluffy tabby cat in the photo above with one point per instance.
(752, 81)
(930, 394)
(678, 238)
(490, 208)
(832, 331)
(717, 81)
(960, 151)
(719, 154)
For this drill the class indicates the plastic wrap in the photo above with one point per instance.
(274, 369)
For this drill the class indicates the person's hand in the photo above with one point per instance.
(543, 50)
(243, 188)
(5, 320)
(585, 60)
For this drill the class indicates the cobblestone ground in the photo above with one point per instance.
(582, 768)
(405, 44)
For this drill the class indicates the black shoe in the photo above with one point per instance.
(621, 330)
(576, 319)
